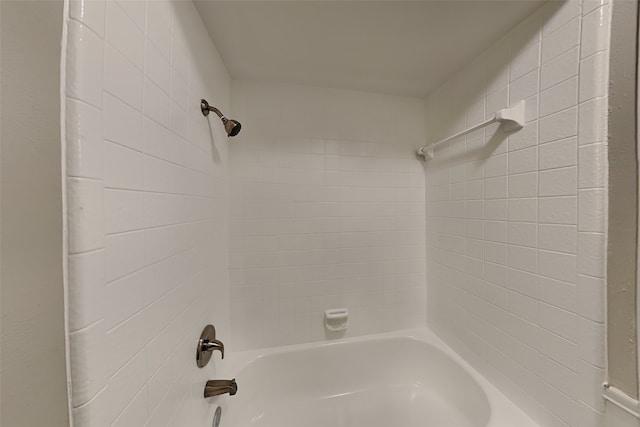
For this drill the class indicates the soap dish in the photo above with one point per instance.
(335, 319)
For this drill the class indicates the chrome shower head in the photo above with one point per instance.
(232, 127)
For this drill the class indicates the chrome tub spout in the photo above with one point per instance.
(218, 387)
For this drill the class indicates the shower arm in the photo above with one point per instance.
(206, 108)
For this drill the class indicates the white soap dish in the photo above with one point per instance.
(335, 319)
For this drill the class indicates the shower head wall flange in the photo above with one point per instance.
(232, 127)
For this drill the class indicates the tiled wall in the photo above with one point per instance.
(327, 211)
(516, 224)
(147, 210)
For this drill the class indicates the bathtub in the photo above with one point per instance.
(401, 379)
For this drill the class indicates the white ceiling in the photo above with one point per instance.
(397, 47)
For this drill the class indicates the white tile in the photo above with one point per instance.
(84, 140)
(123, 211)
(94, 412)
(559, 182)
(557, 266)
(559, 349)
(136, 10)
(593, 77)
(523, 185)
(87, 357)
(591, 210)
(592, 125)
(558, 14)
(559, 126)
(558, 154)
(495, 252)
(523, 234)
(159, 175)
(523, 210)
(156, 103)
(123, 167)
(136, 413)
(560, 322)
(523, 307)
(475, 170)
(122, 79)
(500, 79)
(157, 68)
(591, 292)
(589, 6)
(125, 253)
(523, 258)
(558, 293)
(495, 273)
(560, 69)
(495, 188)
(180, 92)
(84, 64)
(179, 122)
(524, 61)
(85, 215)
(124, 35)
(591, 254)
(560, 238)
(495, 210)
(475, 209)
(561, 40)
(159, 28)
(475, 111)
(592, 342)
(111, 144)
(591, 380)
(595, 31)
(161, 142)
(558, 210)
(475, 190)
(180, 59)
(496, 166)
(525, 160)
(496, 101)
(121, 123)
(525, 87)
(90, 12)
(125, 384)
(557, 375)
(525, 137)
(86, 289)
(495, 231)
(559, 97)
(592, 166)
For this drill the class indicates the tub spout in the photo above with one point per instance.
(218, 387)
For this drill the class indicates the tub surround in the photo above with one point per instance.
(320, 202)
(147, 210)
(516, 223)
(327, 210)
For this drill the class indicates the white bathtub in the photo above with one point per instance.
(403, 379)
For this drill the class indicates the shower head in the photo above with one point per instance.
(232, 127)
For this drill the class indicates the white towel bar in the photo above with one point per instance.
(510, 118)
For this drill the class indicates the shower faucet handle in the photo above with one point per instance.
(207, 344)
(211, 345)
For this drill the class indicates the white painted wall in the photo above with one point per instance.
(147, 217)
(516, 224)
(327, 211)
(32, 348)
